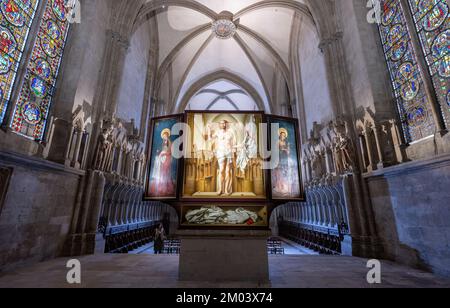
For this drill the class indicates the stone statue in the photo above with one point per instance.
(316, 164)
(347, 153)
(103, 151)
(338, 160)
(343, 149)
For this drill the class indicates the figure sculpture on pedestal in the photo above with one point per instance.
(104, 147)
(343, 149)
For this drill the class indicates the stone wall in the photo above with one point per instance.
(37, 210)
(316, 93)
(132, 86)
(83, 56)
(412, 212)
(368, 73)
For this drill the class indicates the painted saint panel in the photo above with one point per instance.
(286, 178)
(163, 170)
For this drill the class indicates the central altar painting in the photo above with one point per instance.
(224, 169)
(224, 160)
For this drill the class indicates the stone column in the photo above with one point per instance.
(58, 147)
(376, 133)
(363, 151)
(336, 72)
(92, 218)
(371, 166)
(68, 158)
(399, 148)
(76, 156)
(105, 101)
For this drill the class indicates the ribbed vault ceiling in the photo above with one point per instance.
(188, 50)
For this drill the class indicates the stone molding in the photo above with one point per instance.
(35, 163)
(411, 167)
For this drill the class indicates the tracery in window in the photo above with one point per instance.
(16, 17)
(33, 105)
(407, 79)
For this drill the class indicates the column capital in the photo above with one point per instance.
(118, 38)
(328, 41)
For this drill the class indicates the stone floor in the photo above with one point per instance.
(293, 248)
(152, 271)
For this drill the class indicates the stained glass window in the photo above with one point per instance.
(407, 79)
(432, 21)
(35, 98)
(15, 21)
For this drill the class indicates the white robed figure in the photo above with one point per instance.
(248, 149)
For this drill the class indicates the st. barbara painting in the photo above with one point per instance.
(163, 170)
(286, 176)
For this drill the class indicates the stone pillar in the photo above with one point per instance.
(399, 148)
(363, 151)
(92, 219)
(76, 156)
(332, 49)
(371, 165)
(61, 132)
(109, 84)
(68, 156)
(380, 164)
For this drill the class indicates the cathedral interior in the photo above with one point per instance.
(366, 82)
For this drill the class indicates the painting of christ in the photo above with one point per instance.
(225, 162)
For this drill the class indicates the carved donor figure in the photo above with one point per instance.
(317, 165)
(343, 149)
(103, 151)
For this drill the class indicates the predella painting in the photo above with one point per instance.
(286, 182)
(224, 216)
(162, 181)
(224, 161)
